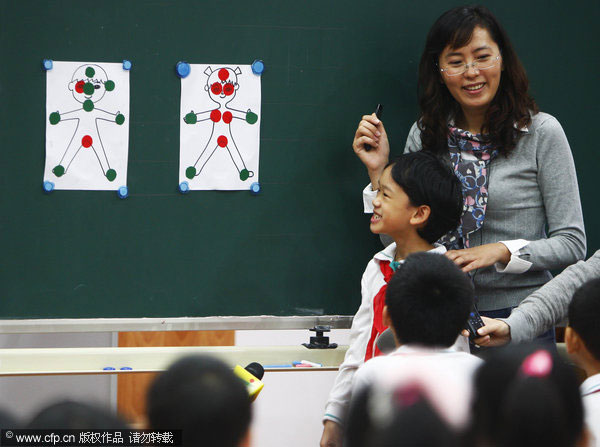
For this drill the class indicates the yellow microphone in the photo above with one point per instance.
(251, 376)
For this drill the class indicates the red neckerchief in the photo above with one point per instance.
(378, 304)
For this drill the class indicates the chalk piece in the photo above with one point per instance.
(255, 188)
(183, 69)
(48, 186)
(47, 64)
(108, 368)
(258, 67)
(123, 192)
(126, 64)
(184, 187)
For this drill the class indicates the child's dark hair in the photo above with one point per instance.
(427, 181)
(396, 422)
(202, 396)
(71, 415)
(525, 396)
(584, 315)
(429, 299)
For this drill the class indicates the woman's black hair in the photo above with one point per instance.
(510, 109)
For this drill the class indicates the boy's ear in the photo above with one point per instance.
(420, 216)
(572, 341)
(387, 321)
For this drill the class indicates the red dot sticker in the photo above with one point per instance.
(228, 89)
(227, 117)
(86, 141)
(216, 88)
(79, 87)
(222, 141)
(215, 116)
(223, 74)
(251, 380)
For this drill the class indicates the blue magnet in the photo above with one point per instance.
(184, 187)
(47, 64)
(48, 186)
(123, 192)
(258, 67)
(108, 368)
(126, 368)
(126, 64)
(183, 69)
(255, 188)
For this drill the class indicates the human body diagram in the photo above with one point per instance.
(88, 85)
(221, 86)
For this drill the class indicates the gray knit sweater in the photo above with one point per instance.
(533, 195)
(548, 306)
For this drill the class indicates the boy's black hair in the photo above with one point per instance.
(71, 415)
(426, 180)
(584, 315)
(429, 299)
(514, 409)
(202, 396)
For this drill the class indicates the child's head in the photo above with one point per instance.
(71, 415)
(584, 314)
(526, 396)
(203, 397)
(417, 191)
(398, 416)
(428, 300)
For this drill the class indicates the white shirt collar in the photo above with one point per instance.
(387, 254)
(416, 349)
(590, 385)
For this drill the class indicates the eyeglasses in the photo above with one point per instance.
(482, 63)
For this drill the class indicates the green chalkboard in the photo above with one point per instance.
(300, 246)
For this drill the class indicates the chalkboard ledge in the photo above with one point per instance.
(171, 324)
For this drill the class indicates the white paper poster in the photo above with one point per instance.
(220, 127)
(87, 125)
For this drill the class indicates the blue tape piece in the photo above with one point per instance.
(123, 192)
(126, 64)
(126, 368)
(255, 188)
(108, 368)
(48, 186)
(47, 64)
(184, 187)
(183, 69)
(258, 67)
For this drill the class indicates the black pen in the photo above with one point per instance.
(378, 112)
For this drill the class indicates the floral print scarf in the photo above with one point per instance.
(470, 155)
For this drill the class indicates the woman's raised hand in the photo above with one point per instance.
(371, 132)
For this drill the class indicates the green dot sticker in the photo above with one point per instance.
(120, 119)
(191, 118)
(90, 72)
(251, 117)
(190, 172)
(111, 174)
(88, 105)
(244, 174)
(88, 88)
(54, 118)
(109, 86)
(58, 170)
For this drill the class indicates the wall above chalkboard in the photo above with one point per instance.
(300, 246)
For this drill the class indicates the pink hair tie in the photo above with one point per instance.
(538, 364)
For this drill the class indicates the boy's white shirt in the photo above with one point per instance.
(360, 334)
(515, 265)
(590, 392)
(445, 375)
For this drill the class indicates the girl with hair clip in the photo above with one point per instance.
(526, 396)
(514, 162)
